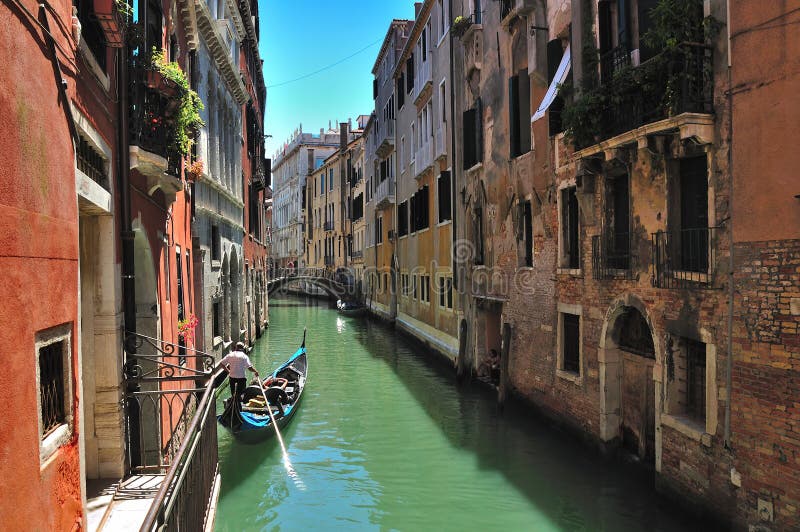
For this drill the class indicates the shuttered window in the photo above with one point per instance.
(444, 197)
(401, 92)
(473, 136)
(402, 219)
(410, 73)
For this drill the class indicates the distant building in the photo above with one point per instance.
(290, 166)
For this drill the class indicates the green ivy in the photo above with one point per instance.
(187, 119)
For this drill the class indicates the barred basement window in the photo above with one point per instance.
(51, 386)
(570, 342)
(446, 292)
(216, 319)
(425, 288)
(91, 163)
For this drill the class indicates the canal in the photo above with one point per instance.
(385, 440)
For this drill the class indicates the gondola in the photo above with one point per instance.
(350, 309)
(250, 422)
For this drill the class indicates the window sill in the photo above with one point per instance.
(574, 378)
(446, 222)
(53, 442)
(420, 231)
(690, 428)
(475, 167)
(575, 272)
(216, 341)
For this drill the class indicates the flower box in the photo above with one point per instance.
(110, 22)
(158, 82)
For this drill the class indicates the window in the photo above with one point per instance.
(692, 235)
(216, 318)
(473, 136)
(555, 51)
(91, 163)
(410, 73)
(414, 286)
(442, 18)
(52, 386)
(330, 179)
(617, 229)
(181, 308)
(444, 197)
(686, 378)
(477, 234)
(419, 210)
(443, 102)
(476, 10)
(216, 243)
(446, 292)
(519, 98)
(92, 32)
(570, 249)
(402, 219)
(375, 89)
(424, 44)
(401, 91)
(379, 230)
(526, 233)
(570, 343)
(411, 154)
(425, 288)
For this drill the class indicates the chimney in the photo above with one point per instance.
(310, 152)
(343, 129)
(417, 8)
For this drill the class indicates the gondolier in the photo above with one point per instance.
(236, 363)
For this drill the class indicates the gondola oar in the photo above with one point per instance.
(286, 462)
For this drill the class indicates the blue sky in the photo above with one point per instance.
(300, 37)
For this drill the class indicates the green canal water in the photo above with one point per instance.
(385, 440)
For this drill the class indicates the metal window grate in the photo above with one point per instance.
(51, 386)
(91, 163)
(684, 259)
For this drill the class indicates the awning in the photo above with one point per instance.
(552, 90)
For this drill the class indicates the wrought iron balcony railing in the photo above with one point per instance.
(611, 256)
(152, 116)
(684, 258)
(673, 82)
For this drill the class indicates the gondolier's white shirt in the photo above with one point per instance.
(238, 361)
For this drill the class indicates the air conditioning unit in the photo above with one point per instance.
(391, 234)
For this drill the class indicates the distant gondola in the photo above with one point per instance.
(250, 422)
(350, 309)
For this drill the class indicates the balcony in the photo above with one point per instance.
(509, 9)
(328, 226)
(441, 143)
(423, 81)
(153, 104)
(384, 193)
(684, 258)
(611, 256)
(357, 255)
(423, 158)
(472, 39)
(385, 141)
(670, 91)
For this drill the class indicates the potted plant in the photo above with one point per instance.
(195, 170)
(460, 25)
(186, 328)
(186, 104)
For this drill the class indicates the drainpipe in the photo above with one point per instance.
(463, 327)
(731, 289)
(127, 239)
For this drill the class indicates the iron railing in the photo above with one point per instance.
(684, 258)
(678, 80)
(611, 256)
(357, 254)
(186, 494)
(152, 116)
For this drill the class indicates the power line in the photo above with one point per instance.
(370, 45)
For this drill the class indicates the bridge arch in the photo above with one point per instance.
(331, 287)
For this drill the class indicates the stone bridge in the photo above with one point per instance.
(319, 277)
